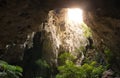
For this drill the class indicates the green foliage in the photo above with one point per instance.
(10, 71)
(66, 56)
(69, 70)
(42, 63)
(93, 46)
(107, 51)
(87, 70)
(91, 70)
(108, 54)
(82, 48)
(86, 30)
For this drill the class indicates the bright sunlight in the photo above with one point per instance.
(75, 15)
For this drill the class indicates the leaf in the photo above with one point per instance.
(10, 71)
(3, 62)
(19, 69)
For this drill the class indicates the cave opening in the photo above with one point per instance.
(51, 39)
(63, 32)
(75, 15)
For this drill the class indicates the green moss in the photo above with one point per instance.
(86, 30)
(82, 48)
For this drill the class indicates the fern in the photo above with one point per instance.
(10, 71)
(87, 70)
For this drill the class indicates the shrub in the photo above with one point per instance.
(108, 54)
(86, 30)
(87, 70)
(66, 56)
(69, 70)
(10, 71)
(42, 63)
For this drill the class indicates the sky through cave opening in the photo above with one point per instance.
(75, 15)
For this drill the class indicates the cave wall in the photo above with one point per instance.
(106, 32)
(104, 20)
(18, 20)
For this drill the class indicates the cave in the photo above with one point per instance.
(59, 39)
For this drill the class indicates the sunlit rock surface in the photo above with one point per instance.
(56, 35)
(62, 36)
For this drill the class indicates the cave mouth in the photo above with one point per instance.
(67, 32)
(37, 34)
(71, 31)
(75, 15)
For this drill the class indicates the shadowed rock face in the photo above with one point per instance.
(19, 18)
(104, 20)
(106, 32)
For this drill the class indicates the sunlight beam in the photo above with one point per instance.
(75, 15)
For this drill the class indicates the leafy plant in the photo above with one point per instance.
(108, 54)
(91, 70)
(69, 70)
(43, 68)
(86, 30)
(10, 71)
(42, 63)
(66, 56)
(82, 48)
(87, 70)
